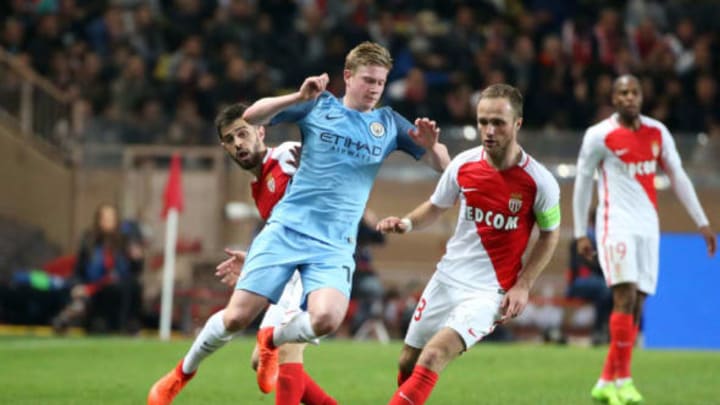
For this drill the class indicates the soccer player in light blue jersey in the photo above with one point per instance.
(313, 228)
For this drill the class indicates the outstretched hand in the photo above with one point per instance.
(391, 225)
(426, 133)
(313, 86)
(710, 239)
(229, 270)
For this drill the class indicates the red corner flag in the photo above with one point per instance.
(173, 197)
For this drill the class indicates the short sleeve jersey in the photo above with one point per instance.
(341, 155)
(276, 173)
(498, 209)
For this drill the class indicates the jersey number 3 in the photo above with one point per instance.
(420, 308)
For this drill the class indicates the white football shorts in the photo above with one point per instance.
(471, 313)
(630, 259)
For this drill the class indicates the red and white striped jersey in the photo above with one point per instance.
(498, 210)
(626, 161)
(269, 188)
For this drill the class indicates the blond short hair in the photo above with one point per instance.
(507, 91)
(368, 54)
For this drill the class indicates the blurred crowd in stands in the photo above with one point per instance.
(156, 71)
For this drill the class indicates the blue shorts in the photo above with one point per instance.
(277, 251)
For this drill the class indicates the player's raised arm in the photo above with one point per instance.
(422, 216)
(427, 134)
(263, 110)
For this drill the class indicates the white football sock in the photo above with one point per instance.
(297, 330)
(601, 383)
(620, 381)
(212, 337)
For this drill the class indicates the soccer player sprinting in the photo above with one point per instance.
(313, 227)
(625, 150)
(480, 280)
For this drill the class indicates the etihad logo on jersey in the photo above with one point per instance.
(643, 168)
(493, 219)
(350, 147)
(515, 202)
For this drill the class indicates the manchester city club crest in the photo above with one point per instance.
(515, 202)
(270, 180)
(377, 129)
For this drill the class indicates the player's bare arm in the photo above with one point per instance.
(427, 135)
(262, 111)
(516, 299)
(422, 216)
(230, 269)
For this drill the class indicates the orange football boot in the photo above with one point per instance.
(267, 371)
(165, 389)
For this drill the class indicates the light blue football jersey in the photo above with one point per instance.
(342, 150)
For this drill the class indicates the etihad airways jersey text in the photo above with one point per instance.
(342, 150)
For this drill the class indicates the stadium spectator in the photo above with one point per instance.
(586, 281)
(183, 47)
(367, 289)
(481, 279)
(321, 222)
(626, 149)
(106, 293)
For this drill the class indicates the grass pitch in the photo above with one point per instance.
(120, 371)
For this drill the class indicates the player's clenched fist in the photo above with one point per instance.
(313, 86)
(394, 225)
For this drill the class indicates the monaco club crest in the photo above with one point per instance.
(655, 149)
(270, 181)
(515, 202)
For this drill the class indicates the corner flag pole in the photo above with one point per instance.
(173, 204)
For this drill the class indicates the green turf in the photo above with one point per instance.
(120, 371)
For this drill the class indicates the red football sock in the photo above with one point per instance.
(417, 388)
(622, 339)
(314, 394)
(290, 384)
(635, 331)
(402, 377)
(608, 371)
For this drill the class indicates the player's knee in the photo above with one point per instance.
(324, 323)
(624, 298)
(235, 319)
(434, 357)
(254, 362)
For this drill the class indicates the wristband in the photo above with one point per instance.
(408, 224)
